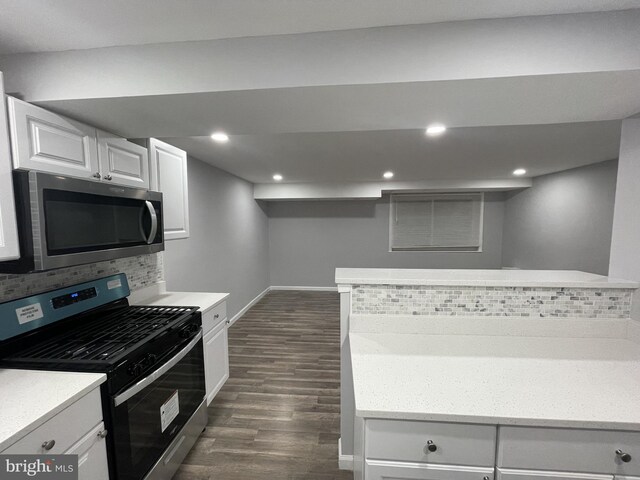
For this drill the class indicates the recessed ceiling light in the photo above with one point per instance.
(277, 177)
(388, 174)
(519, 171)
(220, 137)
(436, 129)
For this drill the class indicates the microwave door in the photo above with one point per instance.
(80, 221)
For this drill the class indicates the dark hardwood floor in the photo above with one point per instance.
(278, 415)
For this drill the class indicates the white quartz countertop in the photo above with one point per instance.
(486, 278)
(204, 300)
(561, 382)
(31, 397)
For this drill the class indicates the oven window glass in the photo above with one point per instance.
(147, 422)
(79, 222)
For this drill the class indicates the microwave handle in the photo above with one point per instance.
(154, 222)
(145, 382)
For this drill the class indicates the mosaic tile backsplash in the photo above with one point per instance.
(491, 301)
(142, 271)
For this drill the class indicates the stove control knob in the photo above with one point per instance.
(187, 331)
(135, 369)
(151, 359)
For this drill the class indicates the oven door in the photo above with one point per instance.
(74, 221)
(147, 416)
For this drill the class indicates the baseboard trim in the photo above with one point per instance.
(314, 289)
(345, 462)
(246, 308)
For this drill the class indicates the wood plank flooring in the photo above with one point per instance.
(278, 415)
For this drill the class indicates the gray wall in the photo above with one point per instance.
(308, 240)
(625, 245)
(563, 221)
(228, 247)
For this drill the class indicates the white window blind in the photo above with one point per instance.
(449, 221)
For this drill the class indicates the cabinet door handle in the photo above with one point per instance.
(103, 433)
(486, 477)
(48, 445)
(97, 175)
(108, 177)
(217, 315)
(431, 447)
(625, 457)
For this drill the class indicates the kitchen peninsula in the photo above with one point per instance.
(452, 373)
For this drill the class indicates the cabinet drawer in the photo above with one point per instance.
(509, 474)
(213, 317)
(375, 470)
(66, 428)
(457, 444)
(569, 450)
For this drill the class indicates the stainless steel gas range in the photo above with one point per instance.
(154, 398)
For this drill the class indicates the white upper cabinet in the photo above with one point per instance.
(46, 141)
(169, 176)
(9, 249)
(122, 162)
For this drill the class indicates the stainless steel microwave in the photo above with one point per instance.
(66, 221)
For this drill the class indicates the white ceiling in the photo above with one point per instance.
(521, 100)
(54, 25)
(469, 153)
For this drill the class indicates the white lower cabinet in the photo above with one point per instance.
(380, 470)
(77, 430)
(405, 449)
(216, 351)
(92, 455)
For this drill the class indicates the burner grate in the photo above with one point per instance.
(108, 336)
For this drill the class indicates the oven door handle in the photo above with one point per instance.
(145, 382)
(154, 222)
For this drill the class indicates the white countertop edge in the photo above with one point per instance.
(613, 284)
(24, 430)
(488, 420)
(479, 278)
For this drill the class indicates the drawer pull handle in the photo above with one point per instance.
(625, 457)
(103, 433)
(48, 445)
(217, 315)
(431, 447)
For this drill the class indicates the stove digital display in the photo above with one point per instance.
(75, 297)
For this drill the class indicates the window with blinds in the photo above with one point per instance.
(437, 222)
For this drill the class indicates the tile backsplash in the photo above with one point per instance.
(491, 301)
(142, 271)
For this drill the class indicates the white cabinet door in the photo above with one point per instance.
(92, 455)
(45, 141)
(9, 249)
(216, 360)
(169, 176)
(122, 162)
(378, 470)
